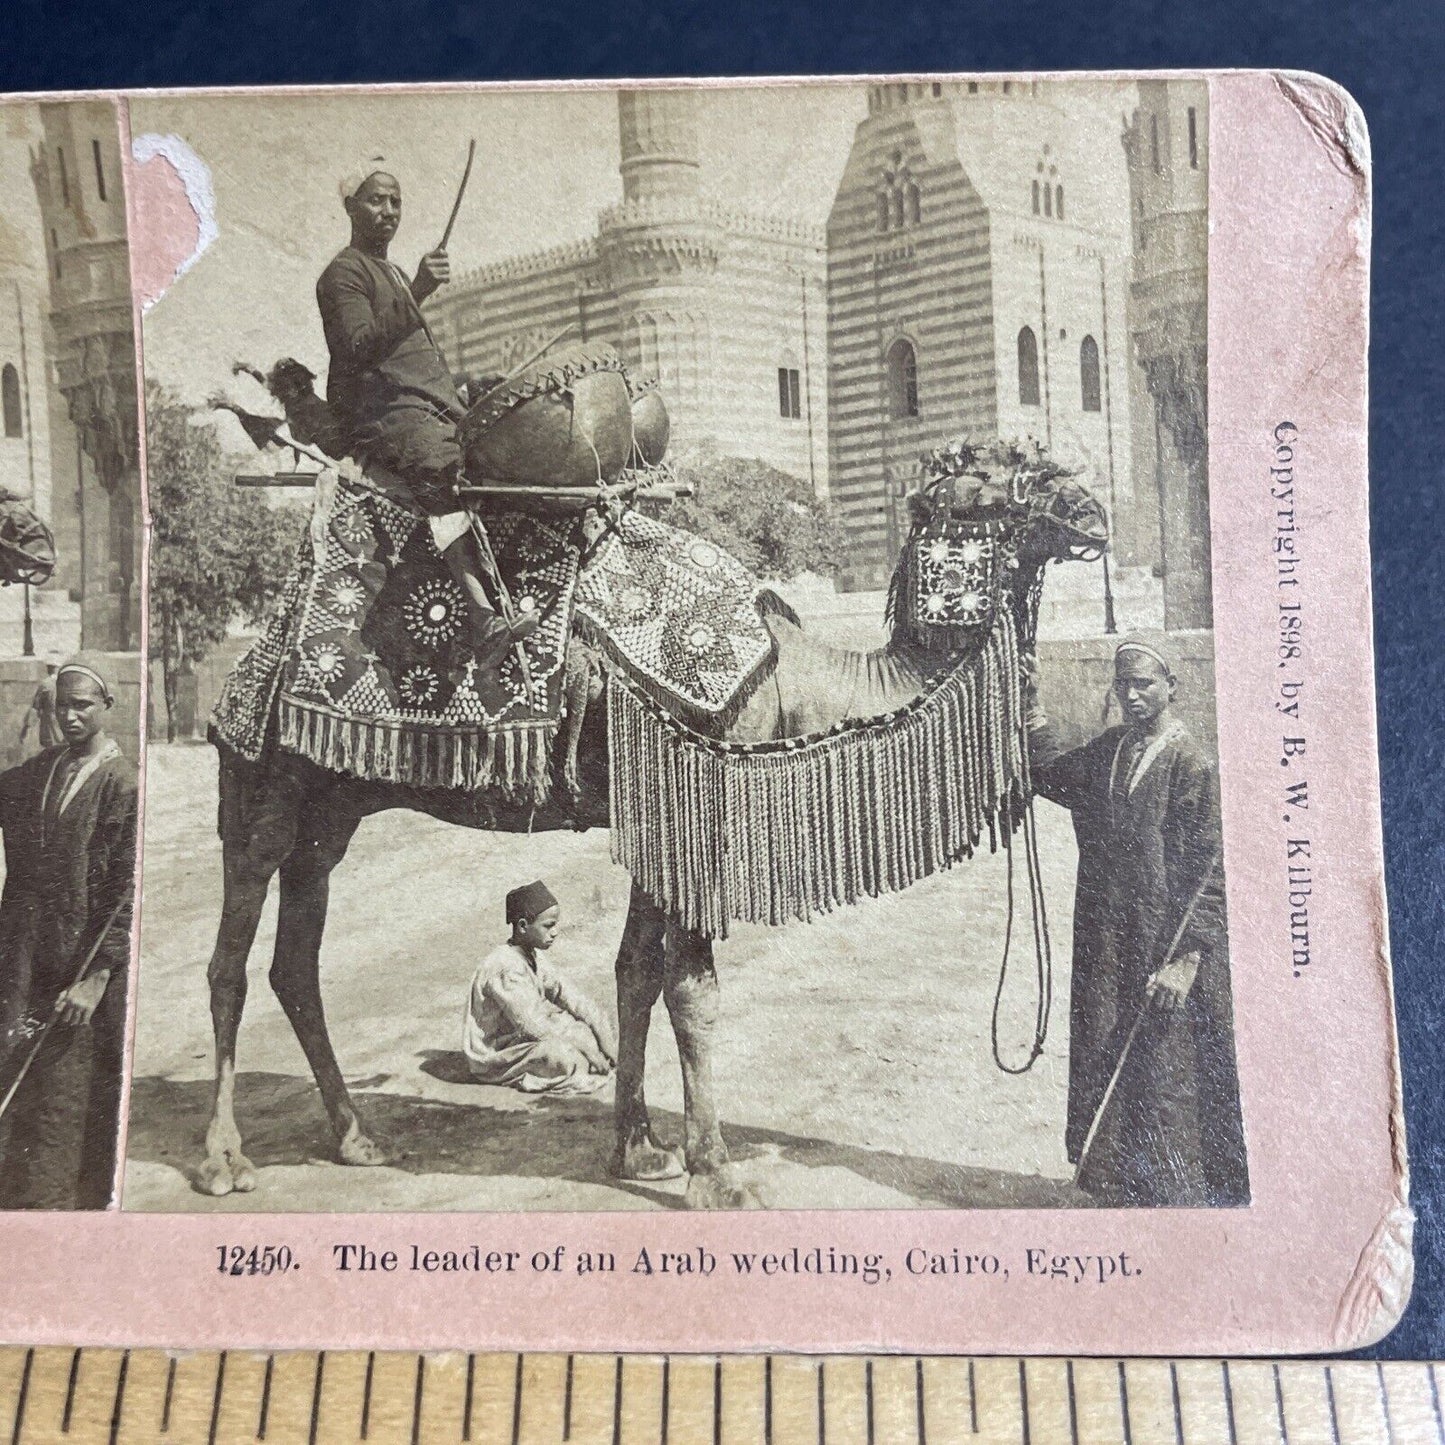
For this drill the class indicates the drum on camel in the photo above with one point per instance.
(563, 421)
(650, 424)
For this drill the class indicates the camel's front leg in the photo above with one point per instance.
(296, 972)
(690, 988)
(258, 830)
(638, 1155)
(225, 1167)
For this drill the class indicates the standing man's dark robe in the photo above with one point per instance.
(69, 881)
(1146, 816)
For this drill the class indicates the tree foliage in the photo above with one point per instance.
(219, 553)
(768, 519)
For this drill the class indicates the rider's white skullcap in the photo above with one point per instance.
(359, 174)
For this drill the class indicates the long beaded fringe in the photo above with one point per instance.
(718, 832)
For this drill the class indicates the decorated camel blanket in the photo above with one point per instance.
(678, 615)
(365, 667)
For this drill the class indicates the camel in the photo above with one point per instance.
(286, 816)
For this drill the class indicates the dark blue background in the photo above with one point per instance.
(1389, 55)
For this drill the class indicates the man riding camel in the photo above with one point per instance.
(392, 391)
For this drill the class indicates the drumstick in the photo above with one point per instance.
(52, 1016)
(461, 191)
(517, 370)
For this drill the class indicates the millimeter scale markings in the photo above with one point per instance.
(235, 1397)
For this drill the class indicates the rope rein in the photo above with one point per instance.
(1043, 942)
(1038, 905)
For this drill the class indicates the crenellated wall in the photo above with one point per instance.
(712, 300)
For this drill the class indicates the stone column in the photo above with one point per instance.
(1176, 375)
(97, 376)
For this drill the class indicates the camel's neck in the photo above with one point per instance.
(819, 685)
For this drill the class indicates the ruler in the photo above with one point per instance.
(126, 1397)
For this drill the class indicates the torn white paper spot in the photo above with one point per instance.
(175, 213)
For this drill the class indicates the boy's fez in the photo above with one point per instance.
(529, 901)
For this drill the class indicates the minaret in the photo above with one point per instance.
(658, 130)
(659, 251)
(77, 178)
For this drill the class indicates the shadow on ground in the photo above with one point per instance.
(503, 1133)
(506, 1134)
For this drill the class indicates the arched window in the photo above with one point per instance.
(10, 401)
(1028, 368)
(898, 208)
(1089, 373)
(914, 200)
(1059, 202)
(902, 379)
(882, 210)
(1048, 199)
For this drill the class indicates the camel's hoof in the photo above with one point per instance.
(214, 1177)
(646, 1163)
(243, 1175)
(718, 1190)
(356, 1148)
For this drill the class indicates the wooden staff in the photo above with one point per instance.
(580, 497)
(1139, 1018)
(50, 1020)
(521, 366)
(461, 191)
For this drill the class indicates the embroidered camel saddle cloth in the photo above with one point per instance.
(365, 666)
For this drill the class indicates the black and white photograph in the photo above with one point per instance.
(681, 627)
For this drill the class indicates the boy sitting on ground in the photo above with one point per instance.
(526, 1026)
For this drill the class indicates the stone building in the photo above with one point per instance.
(724, 306)
(25, 442)
(977, 285)
(37, 461)
(1166, 142)
(94, 460)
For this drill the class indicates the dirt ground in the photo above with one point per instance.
(853, 1062)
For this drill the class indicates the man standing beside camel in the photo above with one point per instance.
(69, 820)
(1153, 1109)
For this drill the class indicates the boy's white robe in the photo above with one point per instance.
(526, 1026)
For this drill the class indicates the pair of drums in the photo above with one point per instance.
(571, 419)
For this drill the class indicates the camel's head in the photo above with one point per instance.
(984, 520)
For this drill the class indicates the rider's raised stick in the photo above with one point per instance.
(461, 191)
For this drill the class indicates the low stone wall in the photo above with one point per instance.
(1075, 675)
(20, 676)
(196, 693)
